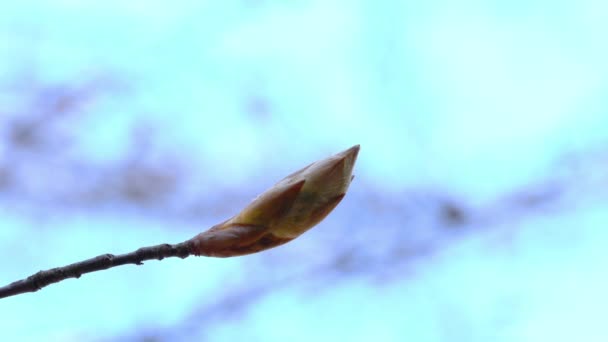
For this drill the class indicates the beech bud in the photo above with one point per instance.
(285, 211)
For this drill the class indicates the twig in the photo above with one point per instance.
(41, 279)
(279, 215)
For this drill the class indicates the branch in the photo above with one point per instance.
(282, 213)
(41, 279)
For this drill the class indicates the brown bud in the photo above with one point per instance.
(283, 212)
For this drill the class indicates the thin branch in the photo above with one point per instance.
(279, 215)
(41, 279)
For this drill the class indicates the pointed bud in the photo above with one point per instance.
(285, 211)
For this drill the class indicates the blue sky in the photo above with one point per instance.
(471, 102)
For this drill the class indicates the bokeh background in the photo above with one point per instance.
(479, 211)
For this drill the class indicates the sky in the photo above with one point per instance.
(476, 214)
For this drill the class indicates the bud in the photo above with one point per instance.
(283, 212)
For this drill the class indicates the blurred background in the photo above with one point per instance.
(479, 208)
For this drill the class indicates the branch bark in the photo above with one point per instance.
(42, 279)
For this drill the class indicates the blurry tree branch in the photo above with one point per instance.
(415, 222)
